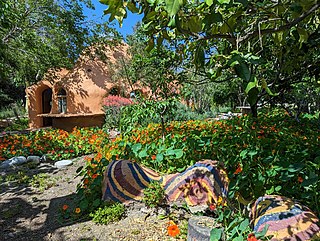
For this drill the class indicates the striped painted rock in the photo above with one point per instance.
(200, 184)
(286, 219)
(125, 180)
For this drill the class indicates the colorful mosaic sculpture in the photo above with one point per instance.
(200, 184)
(124, 181)
(286, 219)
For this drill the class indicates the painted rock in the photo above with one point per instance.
(198, 185)
(125, 180)
(286, 219)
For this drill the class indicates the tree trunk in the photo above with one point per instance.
(254, 110)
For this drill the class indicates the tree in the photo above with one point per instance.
(157, 70)
(36, 35)
(238, 38)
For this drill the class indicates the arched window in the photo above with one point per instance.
(62, 101)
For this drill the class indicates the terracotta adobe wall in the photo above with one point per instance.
(85, 85)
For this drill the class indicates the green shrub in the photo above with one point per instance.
(154, 195)
(274, 155)
(18, 125)
(13, 110)
(108, 214)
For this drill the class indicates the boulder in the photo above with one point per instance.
(14, 161)
(62, 163)
(33, 159)
(198, 186)
(286, 219)
(125, 180)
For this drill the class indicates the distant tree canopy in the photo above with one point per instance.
(268, 46)
(36, 35)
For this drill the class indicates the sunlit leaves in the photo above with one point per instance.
(173, 6)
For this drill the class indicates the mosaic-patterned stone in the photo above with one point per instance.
(200, 184)
(286, 219)
(125, 180)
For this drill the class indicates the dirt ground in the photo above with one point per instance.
(29, 213)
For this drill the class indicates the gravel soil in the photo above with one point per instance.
(32, 213)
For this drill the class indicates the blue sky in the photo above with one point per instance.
(128, 23)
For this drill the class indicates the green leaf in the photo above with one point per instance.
(132, 7)
(253, 96)
(295, 167)
(150, 45)
(178, 153)
(243, 71)
(303, 36)
(199, 56)
(215, 234)
(224, 1)
(278, 188)
(173, 6)
(194, 24)
(136, 147)
(84, 204)
(96, 202)
(143, 153)
(209, 2)
(244, 224)
(251, 85)
(159, 157)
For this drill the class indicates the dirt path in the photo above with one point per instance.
(27, 213)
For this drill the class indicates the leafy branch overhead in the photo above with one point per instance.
(253, 41)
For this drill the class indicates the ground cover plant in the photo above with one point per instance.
(54, 143)
(273, 154)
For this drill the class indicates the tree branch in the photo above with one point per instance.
(281, 28)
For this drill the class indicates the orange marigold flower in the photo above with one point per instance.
(300, 179)
(86, 181)
(153, 157)
(251, 237)
(94, 176)
(65, 207)
(77, 210)
(239, 169)
(212, 207)
(173, 229)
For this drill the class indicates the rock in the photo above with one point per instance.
(62, 163)
(124, 181)
(33, 159)
(286, 219)
(14, 161)
(199, 228)
(204, 182)
(45, 158)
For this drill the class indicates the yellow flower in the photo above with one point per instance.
(221, 201)
(77, 210)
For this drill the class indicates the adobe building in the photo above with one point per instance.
(68, 98)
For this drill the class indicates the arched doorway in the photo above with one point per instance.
(46, 106)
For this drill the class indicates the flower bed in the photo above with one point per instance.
(274, 155)
(56, 144)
